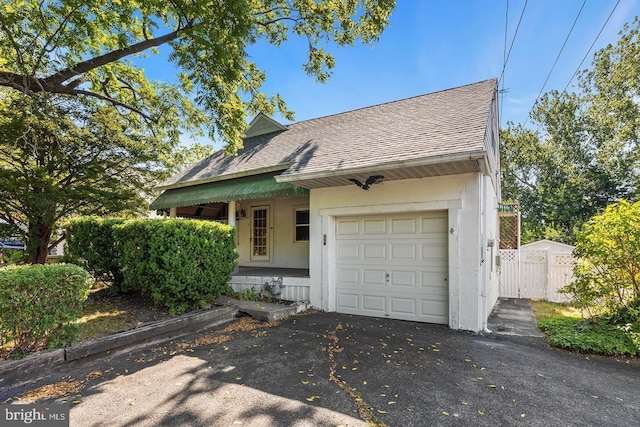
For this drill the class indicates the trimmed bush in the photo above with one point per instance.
(38, 304)
(90, 244)
(181, 264)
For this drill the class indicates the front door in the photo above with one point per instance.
(260, 233)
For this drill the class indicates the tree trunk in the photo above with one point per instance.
(38, 236)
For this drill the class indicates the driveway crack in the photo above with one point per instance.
(366, 411)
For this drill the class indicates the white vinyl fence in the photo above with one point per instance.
(535, 273)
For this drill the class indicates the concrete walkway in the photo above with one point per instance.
(512, 316)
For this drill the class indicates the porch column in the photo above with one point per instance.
(231, 220)
(172, 212)
(232, 213)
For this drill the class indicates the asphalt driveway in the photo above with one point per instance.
(327, 369)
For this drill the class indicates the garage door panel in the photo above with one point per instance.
(374, 251)
(401, 264)
(348, 301)
(348, 251)
(436, 252)
(374, 277)
(349, 276)
(403, 306)
(403, 279)
(429, 224)
(374, 226)
(374, 303)
(404, 226)
(348, 228)
(404, 252)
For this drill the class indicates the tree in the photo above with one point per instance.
(586, 155)
(92, 50)
(608, 268)
(58, 159)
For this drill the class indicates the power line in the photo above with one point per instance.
(592, 44)
(586, 54)
(557, 58)
(504, 65)
(504, 56)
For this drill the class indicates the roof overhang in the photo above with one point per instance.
(226, 177)
(451, 164)
(259, 188)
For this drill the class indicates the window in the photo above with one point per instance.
(302, 225)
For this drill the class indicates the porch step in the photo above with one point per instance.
(263, 311)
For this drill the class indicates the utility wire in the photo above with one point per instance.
(592, 44)
(557, 58)
(504, 65)
(587, 54)
(504, 57)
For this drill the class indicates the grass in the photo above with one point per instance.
(565, 328)
(106, 314)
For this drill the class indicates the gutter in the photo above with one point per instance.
(478, 156)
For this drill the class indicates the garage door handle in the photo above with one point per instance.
(387, 277)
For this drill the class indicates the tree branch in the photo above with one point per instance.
(5, 29)
(61, 76)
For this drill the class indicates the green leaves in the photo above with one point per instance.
(179, 264)
(95, 50)
(608, 268)
(37, 303)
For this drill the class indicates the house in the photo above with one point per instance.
(389, 210)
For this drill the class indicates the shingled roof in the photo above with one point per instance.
(398, 138)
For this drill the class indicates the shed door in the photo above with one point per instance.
(393, 266)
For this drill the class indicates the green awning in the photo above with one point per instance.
(260, 188)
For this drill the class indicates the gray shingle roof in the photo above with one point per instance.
(448, 122)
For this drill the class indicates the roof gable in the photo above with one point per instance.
(261, 125)
(408, 138)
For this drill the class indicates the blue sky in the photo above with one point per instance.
(438, 44)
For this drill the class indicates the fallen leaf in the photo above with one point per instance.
(380, 411)
(480, 412)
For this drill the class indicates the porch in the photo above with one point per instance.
(289, 284)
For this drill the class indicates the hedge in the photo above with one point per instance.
(38, 304)
(90, 244)
(181, 264)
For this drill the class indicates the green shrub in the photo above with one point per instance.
(90, 244)
(13, 256)
(599, 337)
(607, 270)
(38, 304)
(181, 264)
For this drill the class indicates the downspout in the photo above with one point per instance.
(484, 247)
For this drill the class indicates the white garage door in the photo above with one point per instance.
(393, 266)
